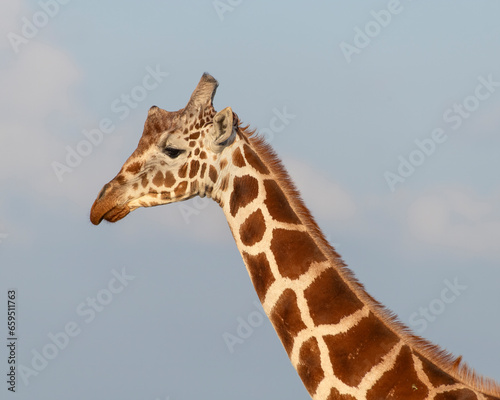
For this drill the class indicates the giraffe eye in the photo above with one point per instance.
(173, 152)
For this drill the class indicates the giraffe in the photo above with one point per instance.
(342, 342)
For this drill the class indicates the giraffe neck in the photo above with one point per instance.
(342, 343)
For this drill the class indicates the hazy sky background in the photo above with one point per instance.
(370, 91)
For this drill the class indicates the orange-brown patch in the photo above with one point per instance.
(457, 394)
(224, 184)
(294, 252)
(192, 144)
(203, 169)
(286, 318)
(277, 203)
(212, 173)
(355, 352)
(194, 135)
(335, 395)
(254, 160)
(260, 273)
(144, 181)
(135, 186)
(180, 189)
(400, 382)
(309, 367)
(436, 376)
(253, 229)
(223, 164)
(196, 151)
(238, 160)
(158, 179)
(330, 299)
(245, 190)
(203, 155)
(169, 179)
(120, 179)
(195, 166)
(134, 168)
(183, 170)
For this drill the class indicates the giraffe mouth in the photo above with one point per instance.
(101, 210)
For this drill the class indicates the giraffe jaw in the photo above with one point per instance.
(105, 209)
(102, 210)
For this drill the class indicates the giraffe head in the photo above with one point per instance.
(178, 157)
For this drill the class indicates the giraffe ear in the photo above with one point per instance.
(223, 133)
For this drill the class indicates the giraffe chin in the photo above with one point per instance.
(112, 215)
(117, 213)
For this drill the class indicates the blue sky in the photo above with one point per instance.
(393, 144)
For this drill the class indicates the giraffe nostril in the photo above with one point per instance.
(103, 191)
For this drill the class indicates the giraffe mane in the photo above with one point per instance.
(449, 363)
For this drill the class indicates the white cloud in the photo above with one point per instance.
(10, 20)
(37, 84)
(457, 218)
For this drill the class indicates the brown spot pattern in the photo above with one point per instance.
(245, 189)
(253, 229)
(400, 382)
(180, 189)
(203, 169)
(458, 394)
(212, 173)
(169, 179)
(183, 170)
(335, 395)
(309, 367)
(134, 168)
(144, 181)
(436, 376)
(195, 166)
(223, 164)
(294, 252)
(203, 155)
(158, 179)
(238, 160)
(356, 351)
(329, 298)
(260, 273)
(286, 318)
(278, 205)
(254, 160)
(224, 184)
(194, 135)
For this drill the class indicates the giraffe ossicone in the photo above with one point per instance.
(343, 344)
